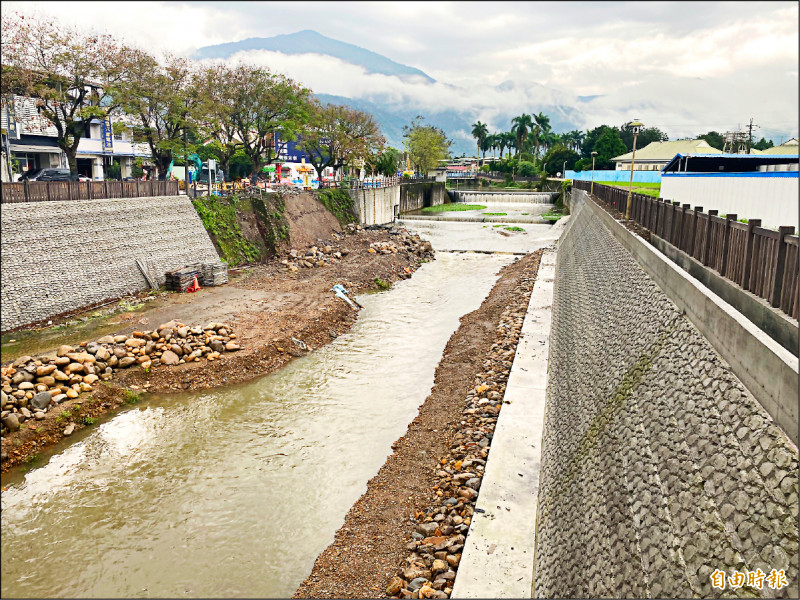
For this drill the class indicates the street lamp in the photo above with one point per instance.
(636, 125)
(564, 170)
(592, 188)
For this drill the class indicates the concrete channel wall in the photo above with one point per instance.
(659, 466)
(61, 256)
(378, 206)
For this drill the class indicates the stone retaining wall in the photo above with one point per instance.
(61, 256)
(376, 206)
(414, 196)
(659, 467)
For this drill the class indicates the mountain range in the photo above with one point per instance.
(395, 109)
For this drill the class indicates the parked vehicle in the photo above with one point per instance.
(47, 175)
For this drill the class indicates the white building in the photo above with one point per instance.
(32, 141)
(751, 186)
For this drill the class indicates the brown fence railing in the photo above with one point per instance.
(760, 260)
(55, 191)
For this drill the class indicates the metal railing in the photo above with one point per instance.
(762, 261)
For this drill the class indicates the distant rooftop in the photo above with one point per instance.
(664, 151)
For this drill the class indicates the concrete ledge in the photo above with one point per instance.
(765, 367)
(497, 561)
(771, 321)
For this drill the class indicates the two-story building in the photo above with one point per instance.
(31, 141)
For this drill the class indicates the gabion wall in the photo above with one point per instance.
(659, 468)
(61, 256)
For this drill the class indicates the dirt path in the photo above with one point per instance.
(376, 537)
(266, 307)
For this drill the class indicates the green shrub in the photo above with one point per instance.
(339, 204)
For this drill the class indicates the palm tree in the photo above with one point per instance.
(521, 125)
(543, 123)
(479, 132)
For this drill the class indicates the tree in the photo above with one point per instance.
(543, 128)
(385, 162)
(214, 111)
(714, 139)
(479, 132)
(763, 144)
(160, 98)
(72, 77)
(266, 104)
(520, 126)
(426, 145)
(339, 135)
(557, 156)
(608, 146)
(646, 136)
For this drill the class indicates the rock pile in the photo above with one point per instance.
(30, 386)
(440, 532)
(313, 257)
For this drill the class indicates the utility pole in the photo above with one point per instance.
(750, 135)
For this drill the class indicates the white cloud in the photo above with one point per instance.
(685, 67)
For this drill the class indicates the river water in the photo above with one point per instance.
(234, 492)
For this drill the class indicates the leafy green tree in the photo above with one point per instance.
(385, 162)
(646, 136)
(542, 131)
(714, 139)
(608, 146)
(426, 145)
(160, 97)
(556, 156)
(266, 103)
(72, 77)
(240, 166)
(763, 144)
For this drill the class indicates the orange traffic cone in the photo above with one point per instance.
(195, 286)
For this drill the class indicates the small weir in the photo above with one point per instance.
(501, 197)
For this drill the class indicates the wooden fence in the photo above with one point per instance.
(54, 191)
(760, 260)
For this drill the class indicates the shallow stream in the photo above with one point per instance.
(234, 492)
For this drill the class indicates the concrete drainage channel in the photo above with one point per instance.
(489, 538)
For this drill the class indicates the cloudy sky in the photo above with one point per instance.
(684, 67)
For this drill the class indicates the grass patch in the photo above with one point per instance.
(496, 225)
(554, 214)
(495, 214)
(89, 420)
(382, 283)
(647, 188)
(514, 228)
(454, 207)
(130, 397)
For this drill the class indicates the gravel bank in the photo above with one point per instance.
(403, 538)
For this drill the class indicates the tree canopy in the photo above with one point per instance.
(426, 145)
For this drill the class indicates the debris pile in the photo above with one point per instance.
(30, 386)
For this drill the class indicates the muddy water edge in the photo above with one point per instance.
(235, 491)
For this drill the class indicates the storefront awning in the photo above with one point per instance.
(39, 149)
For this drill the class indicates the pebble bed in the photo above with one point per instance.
(439, 535)
(31, 386)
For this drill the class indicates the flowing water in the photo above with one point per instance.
(234, 492)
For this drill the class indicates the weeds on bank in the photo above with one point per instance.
(130, 397)
(382, 283)
(454, 207)
(514, 228)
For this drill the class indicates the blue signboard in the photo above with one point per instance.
(108, 135)
(290, 151)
